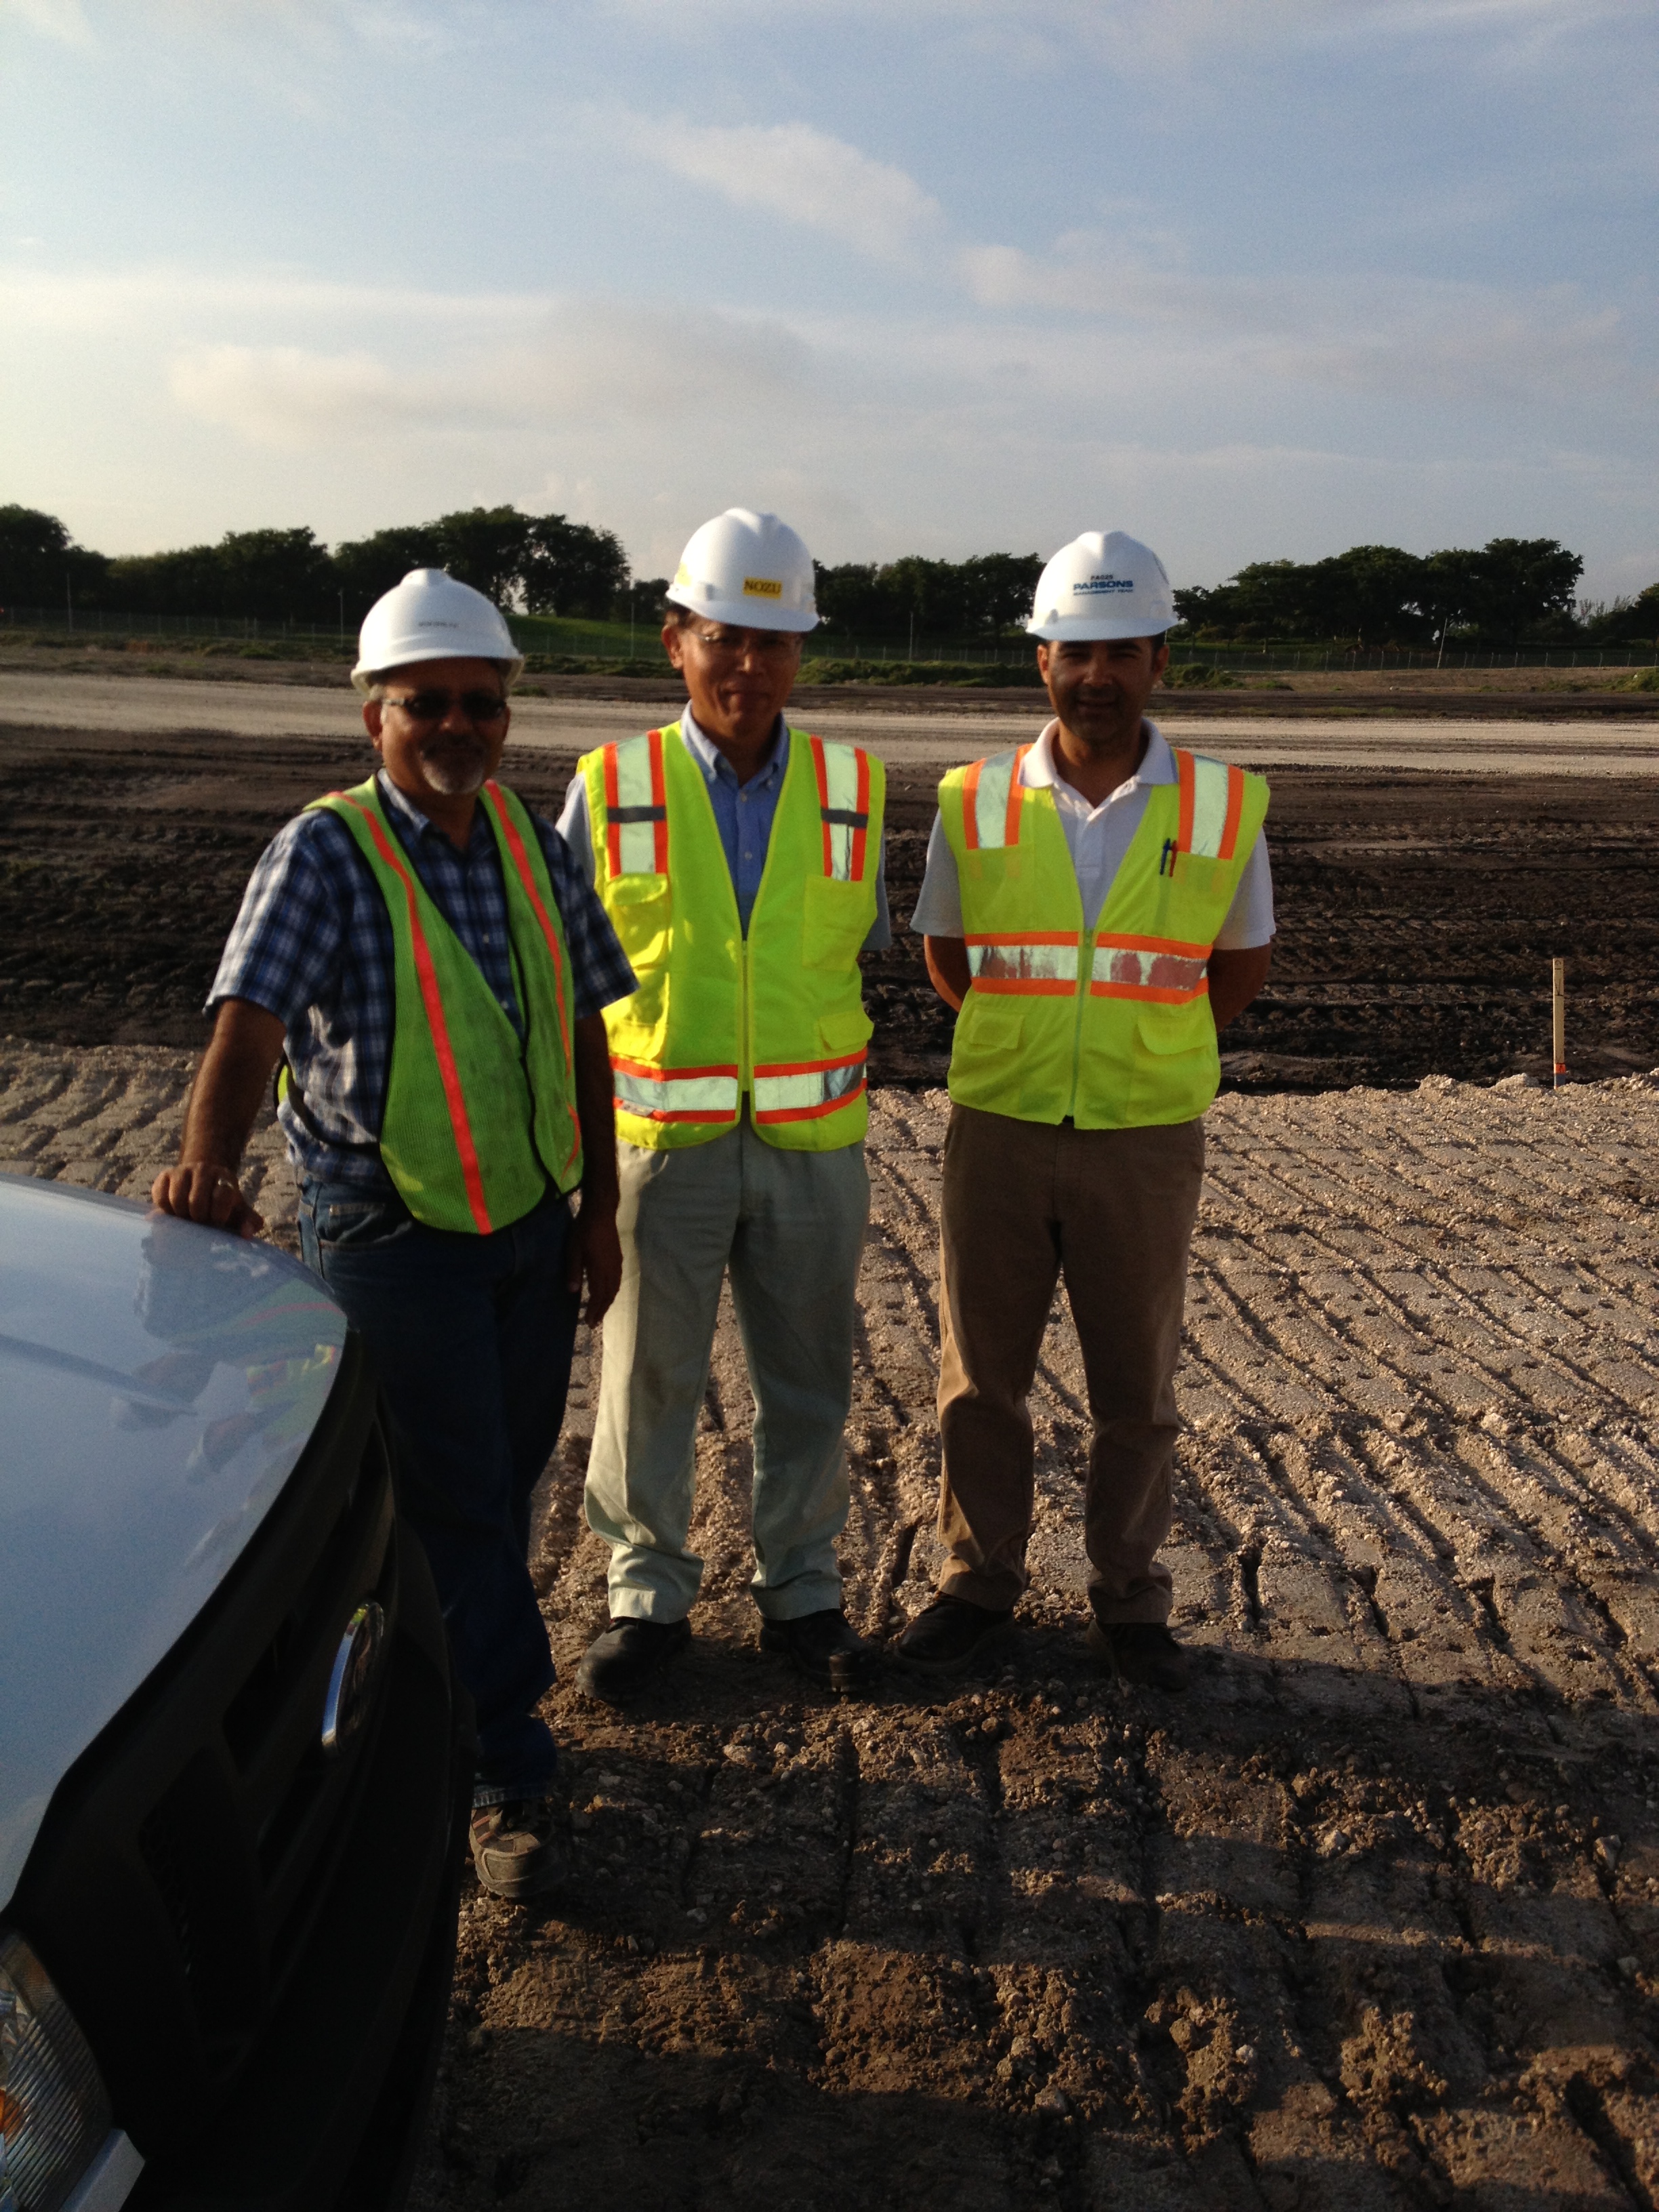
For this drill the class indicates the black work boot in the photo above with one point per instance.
(516, 1848)
(618, 1665)
(1141, 1651)
(947, 1634)
(826, 1648)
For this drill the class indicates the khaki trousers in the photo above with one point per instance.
(1113, 1209)
(788, 1228)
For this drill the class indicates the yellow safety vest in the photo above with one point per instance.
(1109, 1026)
(478, 1121)
(779, 1013)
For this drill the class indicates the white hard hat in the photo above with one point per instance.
(431, 617)
(749, 569)
(1103, 585)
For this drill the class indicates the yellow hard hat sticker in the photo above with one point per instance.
(682, 575)
(762, 587)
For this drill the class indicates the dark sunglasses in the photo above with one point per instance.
(433, 706)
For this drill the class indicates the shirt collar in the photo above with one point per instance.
(713, 762)
(1037, 771)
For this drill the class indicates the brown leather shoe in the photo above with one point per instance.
(1142, 1651)
(515, 1848)
(947, 1635)
(827, 1648)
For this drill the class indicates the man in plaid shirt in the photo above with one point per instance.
(471, 1334)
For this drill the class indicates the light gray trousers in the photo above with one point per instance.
(790, 1227)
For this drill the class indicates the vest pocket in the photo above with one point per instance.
(988, 1026)
(835, 920)
(845, 1031)
(1176, 1065)
(641, 912)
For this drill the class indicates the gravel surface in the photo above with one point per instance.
(1370, 1918)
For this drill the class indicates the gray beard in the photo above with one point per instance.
(455, 778)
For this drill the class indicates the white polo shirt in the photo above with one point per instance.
(1098, 837)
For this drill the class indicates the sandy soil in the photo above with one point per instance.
(1369, 1919)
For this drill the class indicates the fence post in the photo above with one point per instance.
(1558, 1020)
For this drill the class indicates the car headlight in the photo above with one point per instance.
(54, 2111)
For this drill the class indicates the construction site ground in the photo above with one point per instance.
(1370, 1917)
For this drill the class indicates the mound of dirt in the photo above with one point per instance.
(1369, 1919)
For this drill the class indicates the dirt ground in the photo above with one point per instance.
(1418, 911)
(1370, 1918)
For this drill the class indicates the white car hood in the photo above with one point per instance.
(158, 1382)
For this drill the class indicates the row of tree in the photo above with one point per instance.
(1512, 591)
(542, 563)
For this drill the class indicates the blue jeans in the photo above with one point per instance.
(471, 1337)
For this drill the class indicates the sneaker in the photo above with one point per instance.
(826, 1648)
(618, 1665)
(515, 1848)
(1141, 1651)
(946, 1634)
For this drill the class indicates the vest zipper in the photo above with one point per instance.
(745, 1043)
(1086, 969)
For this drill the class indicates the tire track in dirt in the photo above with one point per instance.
(1371, 1918)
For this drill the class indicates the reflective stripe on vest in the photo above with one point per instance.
(1212, 802)
(1039, 962)
(806, 1089)
(515, 843)
(1159, 969)
(636, 807)
(676, 1094)
(991, 802)
(843, 777)
(432, 1001)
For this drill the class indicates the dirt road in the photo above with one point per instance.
(916, 739)
(1369, 1919)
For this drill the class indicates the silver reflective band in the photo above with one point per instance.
(663, 1096)
(1210, 796)
(54, 2112)
(1143, 971)
(1013, 963)
(800, 1094)
(840, 811)
(351, 1685)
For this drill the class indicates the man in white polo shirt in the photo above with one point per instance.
(1097, 905)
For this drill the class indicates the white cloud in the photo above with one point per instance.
(793, 171)
(120, 300)
(1415, 338)
(289, 396)
(1138, 35)
(592, 363)
(62, 19)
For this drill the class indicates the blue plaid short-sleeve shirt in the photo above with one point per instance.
(312, 945)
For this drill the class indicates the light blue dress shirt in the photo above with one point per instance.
(743, 813)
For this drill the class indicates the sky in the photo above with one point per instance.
(1250, 279)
